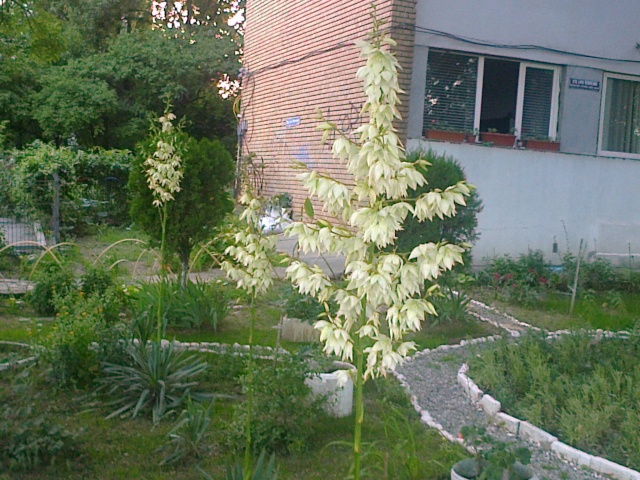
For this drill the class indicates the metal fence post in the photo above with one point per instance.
(56, 207)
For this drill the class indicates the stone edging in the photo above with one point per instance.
(265, 353)
(528, 431)
(17, 363)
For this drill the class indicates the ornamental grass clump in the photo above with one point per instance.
(385, 294)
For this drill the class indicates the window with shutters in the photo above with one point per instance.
(620, 118)
(471, 93)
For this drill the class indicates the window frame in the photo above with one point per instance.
(603, 100)
(523, 65)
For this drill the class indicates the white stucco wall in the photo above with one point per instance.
(588, 27)
(530, 197)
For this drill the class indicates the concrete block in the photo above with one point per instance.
(490, 405)
(535, 434)
(464, 382)
(512, 424)
(475, 394)
(339, 398)
(607, 467)
(295, 330)
(572, 454)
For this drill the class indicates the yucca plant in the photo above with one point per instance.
(159, 378)
(262, 470)
(201, 303)
(189, 434)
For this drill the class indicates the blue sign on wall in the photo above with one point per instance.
(292, 122)
(583, 84)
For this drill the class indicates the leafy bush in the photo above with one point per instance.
(49, 283)
(284, 410)
(81, 338)
(159, 379)
(581, 388)
(521, 280)
(28, 441)
(443, 172)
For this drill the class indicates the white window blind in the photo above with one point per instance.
(536, 108)
(451, 91)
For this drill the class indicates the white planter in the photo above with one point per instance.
(339, 398)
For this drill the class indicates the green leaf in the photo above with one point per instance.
(308, 208)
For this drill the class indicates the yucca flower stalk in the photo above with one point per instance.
(164, 172)
(385, 295)
(249, 263)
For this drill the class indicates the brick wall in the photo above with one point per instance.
(300, 58)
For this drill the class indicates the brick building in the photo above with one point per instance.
(300, 57)
(543, 98)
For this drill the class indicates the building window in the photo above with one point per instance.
(470, 93)
(620, 125)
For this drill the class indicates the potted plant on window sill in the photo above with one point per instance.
(498, 139)
(542, 143)
(452, 136)
(493, 460)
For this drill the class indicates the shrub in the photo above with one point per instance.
(49, 283)
(28, 441)
(81, 339)
(284, 411)
(443, 172)
(158, 379)
(521, 280)
(298, 305)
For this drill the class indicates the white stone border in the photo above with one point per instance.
(21, 362)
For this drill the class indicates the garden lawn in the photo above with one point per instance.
(608, 311)
(119, 448)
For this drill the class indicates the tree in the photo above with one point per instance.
(441, 172)
(201, 204)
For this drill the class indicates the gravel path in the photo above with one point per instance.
(432, 379)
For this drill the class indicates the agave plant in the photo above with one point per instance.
(261, 470)
(188, 436)
(159, 378)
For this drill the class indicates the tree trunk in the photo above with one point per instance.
(184, 268)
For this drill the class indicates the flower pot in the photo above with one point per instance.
(466, 469)
(498, 139)
(447, 136)
(544, 145)
(339, 397)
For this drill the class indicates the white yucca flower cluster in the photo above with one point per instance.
(164, 167)
(384, 295)
(249, 257)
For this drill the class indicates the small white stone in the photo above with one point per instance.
(535, 434)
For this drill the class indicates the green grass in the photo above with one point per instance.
(118, 448)
(551, 311)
